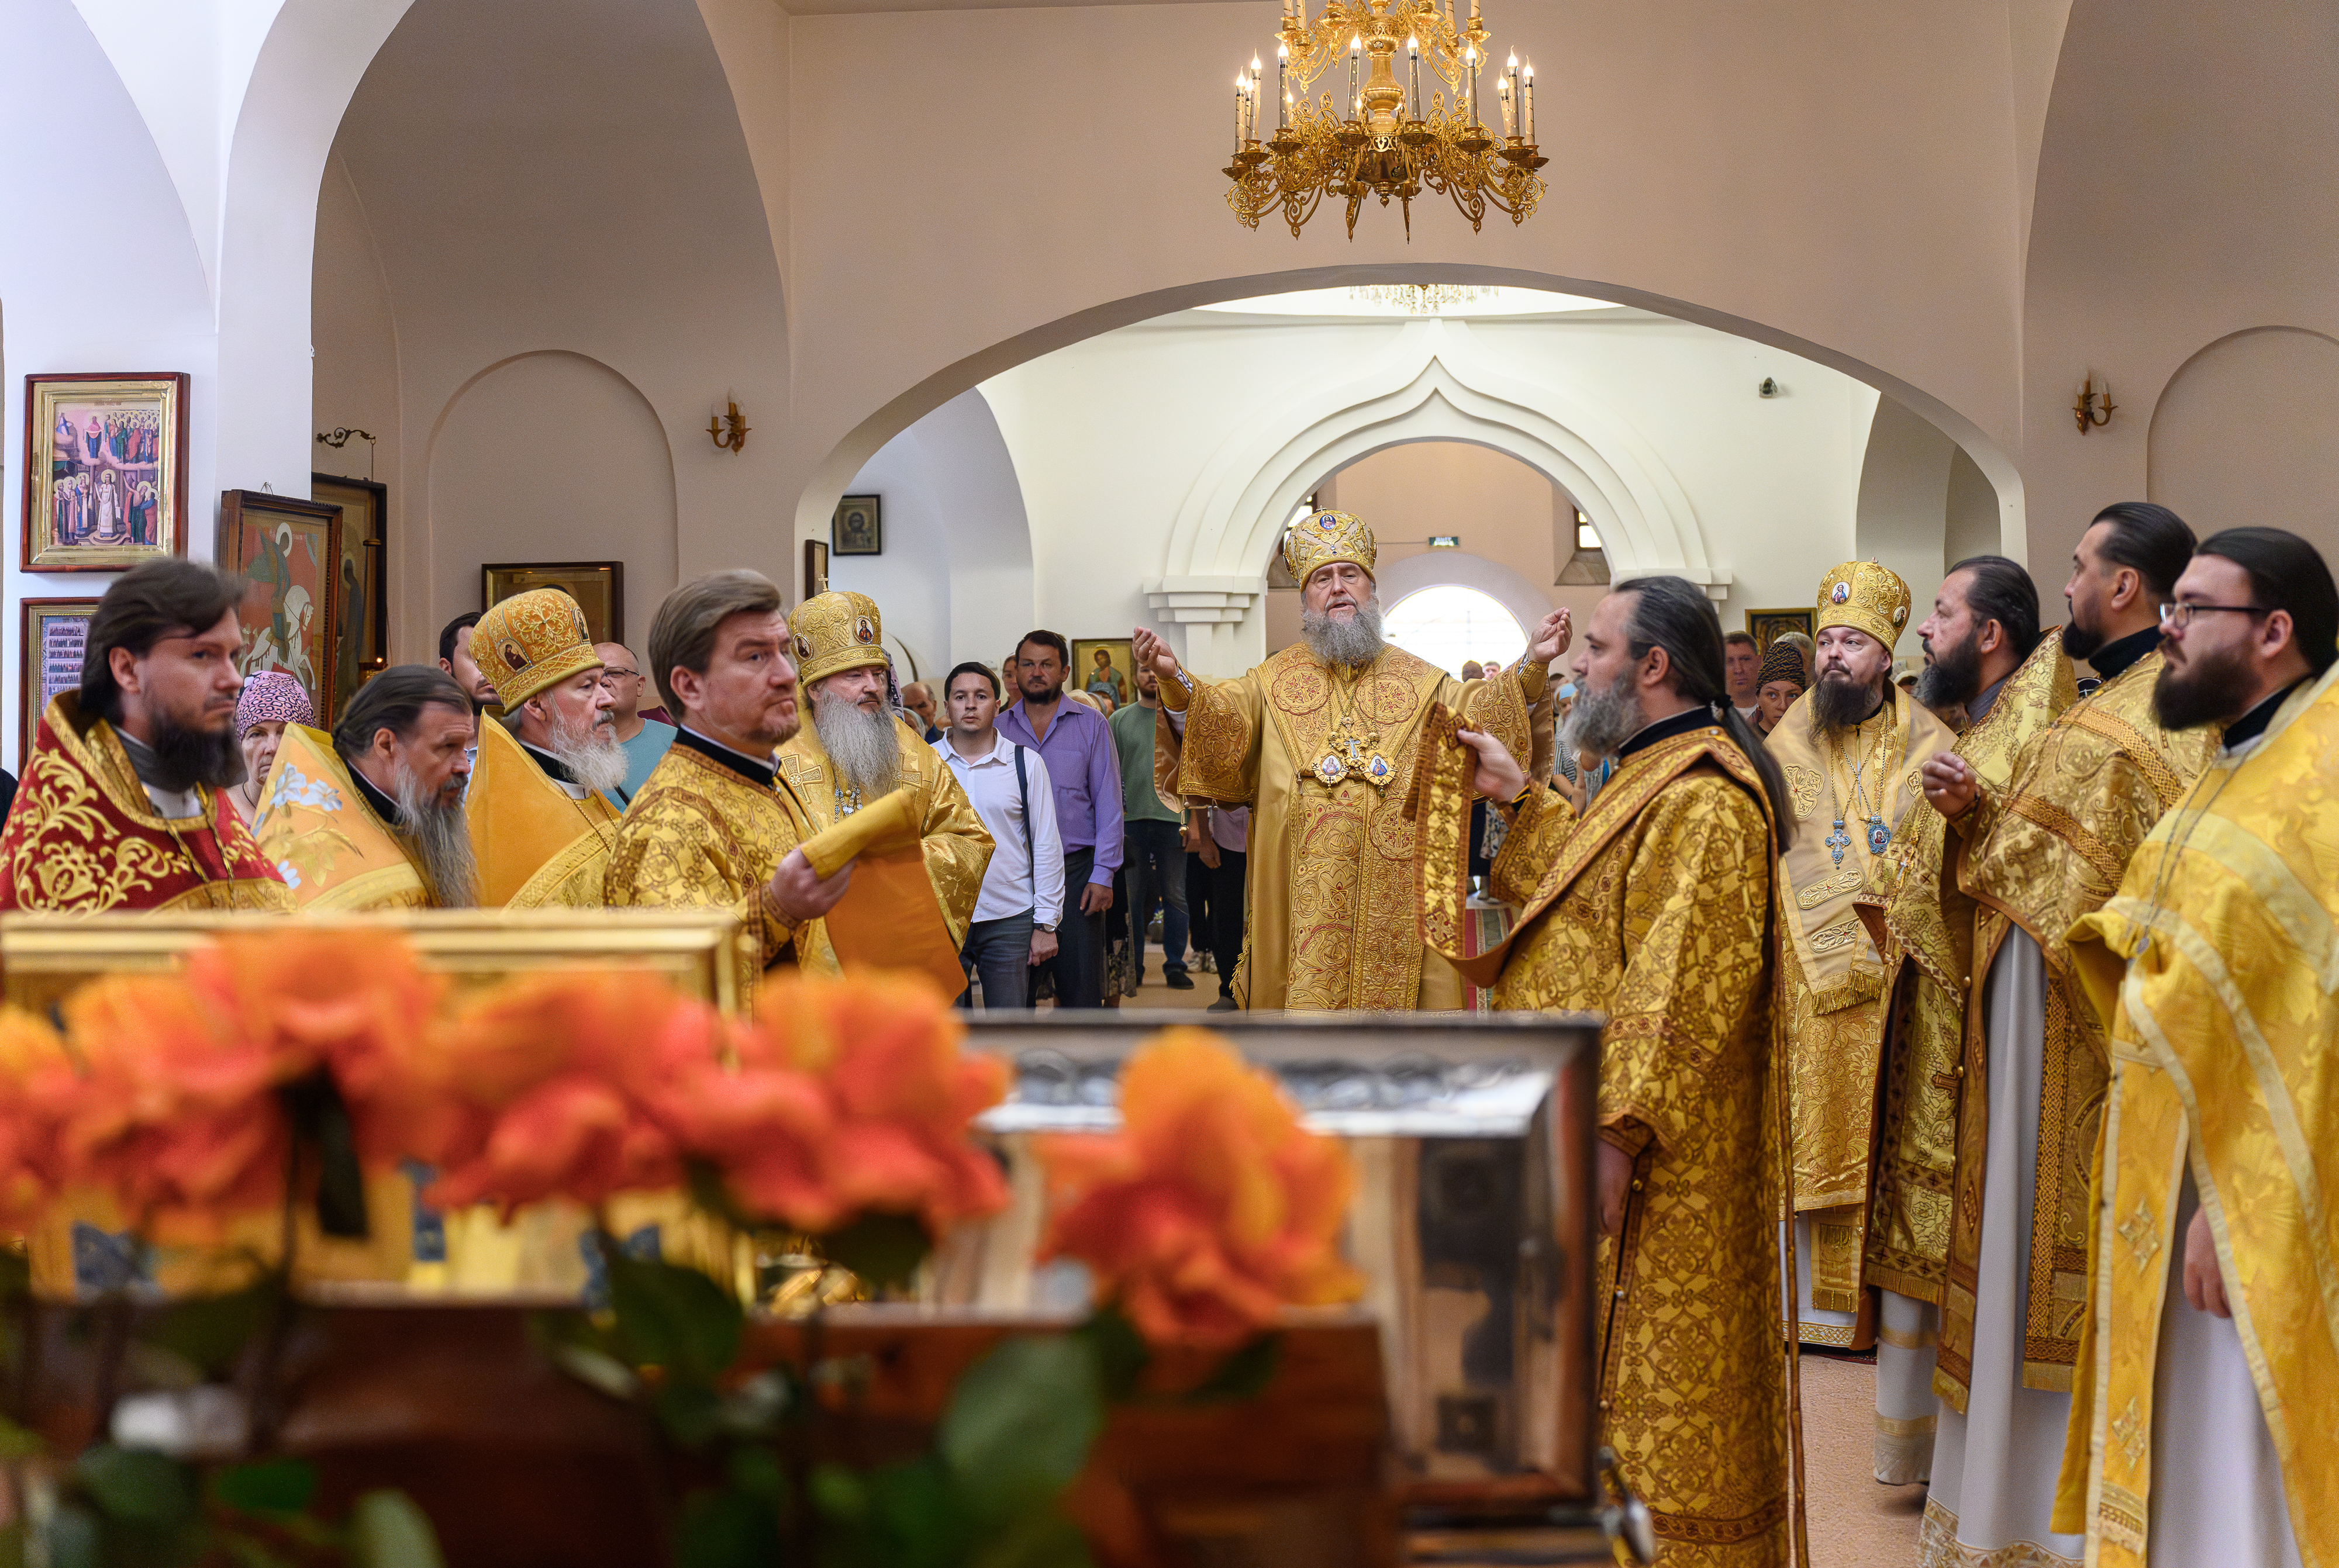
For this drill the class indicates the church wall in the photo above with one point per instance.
(356, 384)
(2247, 433)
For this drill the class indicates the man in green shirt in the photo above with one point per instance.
(1154, 856)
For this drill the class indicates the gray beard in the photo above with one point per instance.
(442, 836)
(1839, 706)
(1355, 641)
(595, 760)
(1601, 721)
(865, 747)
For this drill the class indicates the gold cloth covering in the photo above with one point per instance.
(888, 917)
(84, 836)
(1330, 883)
(536, 846)
(2219, 955)
(1933, 959)
(1654, 907)
(2041, 851)
(321, 832)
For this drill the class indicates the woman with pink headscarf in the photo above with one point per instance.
(270, 700)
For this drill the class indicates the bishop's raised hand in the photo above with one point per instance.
(1147, 649)
(1552, 636)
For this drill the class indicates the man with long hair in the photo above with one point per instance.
(1654, 907)
(1319, 741)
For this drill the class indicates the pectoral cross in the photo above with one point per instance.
(1838, 842)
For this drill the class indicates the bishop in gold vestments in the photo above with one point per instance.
(1851, 792)
(1323, 752)
(2217, 960)
(1654, 907)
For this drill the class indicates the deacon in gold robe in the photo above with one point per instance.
(541, 822)
(1319, 741)
(2201, 1430)
(370, 817)
(715, 826)
(123, 805)
(1654, 907)
(2032, 854)
(1983, 656)
(1849, 749)
(857, 750)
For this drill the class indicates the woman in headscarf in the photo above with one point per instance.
(1781, 682)
(270, 700)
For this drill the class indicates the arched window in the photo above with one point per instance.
(1449, 624)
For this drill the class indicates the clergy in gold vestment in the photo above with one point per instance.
(541, 822)
(1983, 656)
(857, 750)
(2033, 854)
(2201, 1428)
(1655, 908)
(1849, 749)
(1319, 741)
(370, 817)
(715, 826)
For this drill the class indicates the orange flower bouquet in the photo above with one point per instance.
(1211, 1209)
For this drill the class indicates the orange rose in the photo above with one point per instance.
(33, 1065)
(1211, 1208)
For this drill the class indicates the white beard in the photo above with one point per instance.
(865, 747)
(594, 759)
(1355, 641)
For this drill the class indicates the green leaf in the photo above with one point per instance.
(1244, 1375)
(690, 1413)
(1021, 1422)
(1044, 1538)
(1122, 1353)
(388, 1530)
(19, 1442)
(755, 1470)
(672, 1317)
(72, 1537)
(137, 1487)
(727, 1530)
(11, 1545)
(266, 1486)
(837, 1492)
(885, 1249)
(922, 1515)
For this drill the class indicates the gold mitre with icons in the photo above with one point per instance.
(1320, 539)
(1866, 597)
(531, 641)
(836, 631)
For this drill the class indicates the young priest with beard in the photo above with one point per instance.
(371, 816)
(541, 822)
(122, 806)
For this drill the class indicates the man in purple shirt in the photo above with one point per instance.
(1076, 743)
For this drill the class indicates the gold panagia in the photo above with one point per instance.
(2218, 954)
(2041, 851)
(1325, 758)
(957, 846)
(1654, 907)
(1852, 796)
(1932, 958)
(332, 849)
(537, 846)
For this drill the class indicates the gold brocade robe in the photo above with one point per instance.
(537, 846)
(2040, 851)
(2219, 954)
(957, 845)
(1832, 978)
(1932, 955)
(334, 852)
(1330, 881)
(1655, 908)
(704, 835)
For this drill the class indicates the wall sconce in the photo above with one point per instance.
(728, 431)
(2094, 405)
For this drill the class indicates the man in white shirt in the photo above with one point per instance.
(1022, 897)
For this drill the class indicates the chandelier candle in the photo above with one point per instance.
(1530, 91)
(1283, 86)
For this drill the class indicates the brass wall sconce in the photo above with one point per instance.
(728, 431)
(2092, 406)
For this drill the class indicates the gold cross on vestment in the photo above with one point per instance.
(2141, 1234)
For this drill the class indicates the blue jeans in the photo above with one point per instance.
(998, 952)
(1155, 858)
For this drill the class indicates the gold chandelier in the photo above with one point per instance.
(1418, 298)
(1385, 140)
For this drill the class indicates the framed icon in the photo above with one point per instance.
(858, 529)
(1105, 666)
(597, 586)
(1766, 626)
(364, 646)
(291, 550)
(55, 633)
(105, 470)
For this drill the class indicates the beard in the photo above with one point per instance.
(1601, 721)
(593, 757)
(185, 757)
(434, 825)
(2202, 693)
(1842, 702)
(1953, 678)
(1355, 641)
(2079, 641)
(866, 747)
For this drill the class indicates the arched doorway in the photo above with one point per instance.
(1451, 625)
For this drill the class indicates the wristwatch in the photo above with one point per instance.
(1048, 926)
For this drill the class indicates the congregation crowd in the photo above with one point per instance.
(1973, 1011)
